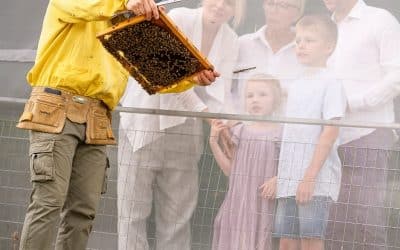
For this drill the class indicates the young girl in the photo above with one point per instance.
(245, 218)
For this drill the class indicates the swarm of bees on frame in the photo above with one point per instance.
(152, 55)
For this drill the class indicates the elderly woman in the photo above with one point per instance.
(270, 50)
(158, 154)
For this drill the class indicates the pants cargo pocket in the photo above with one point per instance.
(42, 161)
(105, 180)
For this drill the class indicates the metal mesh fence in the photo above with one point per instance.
(366, 216)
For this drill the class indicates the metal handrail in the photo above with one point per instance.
(239, 117)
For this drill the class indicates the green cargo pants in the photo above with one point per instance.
(68, 177)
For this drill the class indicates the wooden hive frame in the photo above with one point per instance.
(167, 24)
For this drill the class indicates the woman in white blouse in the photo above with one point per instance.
(158, 155)
(271, 49)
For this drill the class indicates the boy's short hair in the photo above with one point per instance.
(273, 83)
(322, 23)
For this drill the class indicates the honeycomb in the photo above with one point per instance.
(154, 52)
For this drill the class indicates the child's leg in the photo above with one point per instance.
(286, 225)
(312, 244)
(289, 244)
(313, 219)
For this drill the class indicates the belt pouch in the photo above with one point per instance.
(44, 112)
(98, 126)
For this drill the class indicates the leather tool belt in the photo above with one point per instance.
(48, 108)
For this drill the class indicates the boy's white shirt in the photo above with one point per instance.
(223, 56)
(367, 60)
(315, 97)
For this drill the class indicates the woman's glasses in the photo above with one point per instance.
(281, 5)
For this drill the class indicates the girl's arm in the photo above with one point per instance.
(327, 138)
(223, 161)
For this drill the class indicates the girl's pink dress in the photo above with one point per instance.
(245, 219)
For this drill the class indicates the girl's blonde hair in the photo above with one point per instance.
(273, 83)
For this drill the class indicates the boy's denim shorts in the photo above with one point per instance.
(302, 221)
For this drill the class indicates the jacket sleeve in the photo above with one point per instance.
(75, 11)
(387, 36)
(179, 87)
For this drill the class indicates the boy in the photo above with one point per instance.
(309, 167)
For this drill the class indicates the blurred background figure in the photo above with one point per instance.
(158, 155)
(367, 59)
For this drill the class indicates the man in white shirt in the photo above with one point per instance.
(158, 155)
(367, 59)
